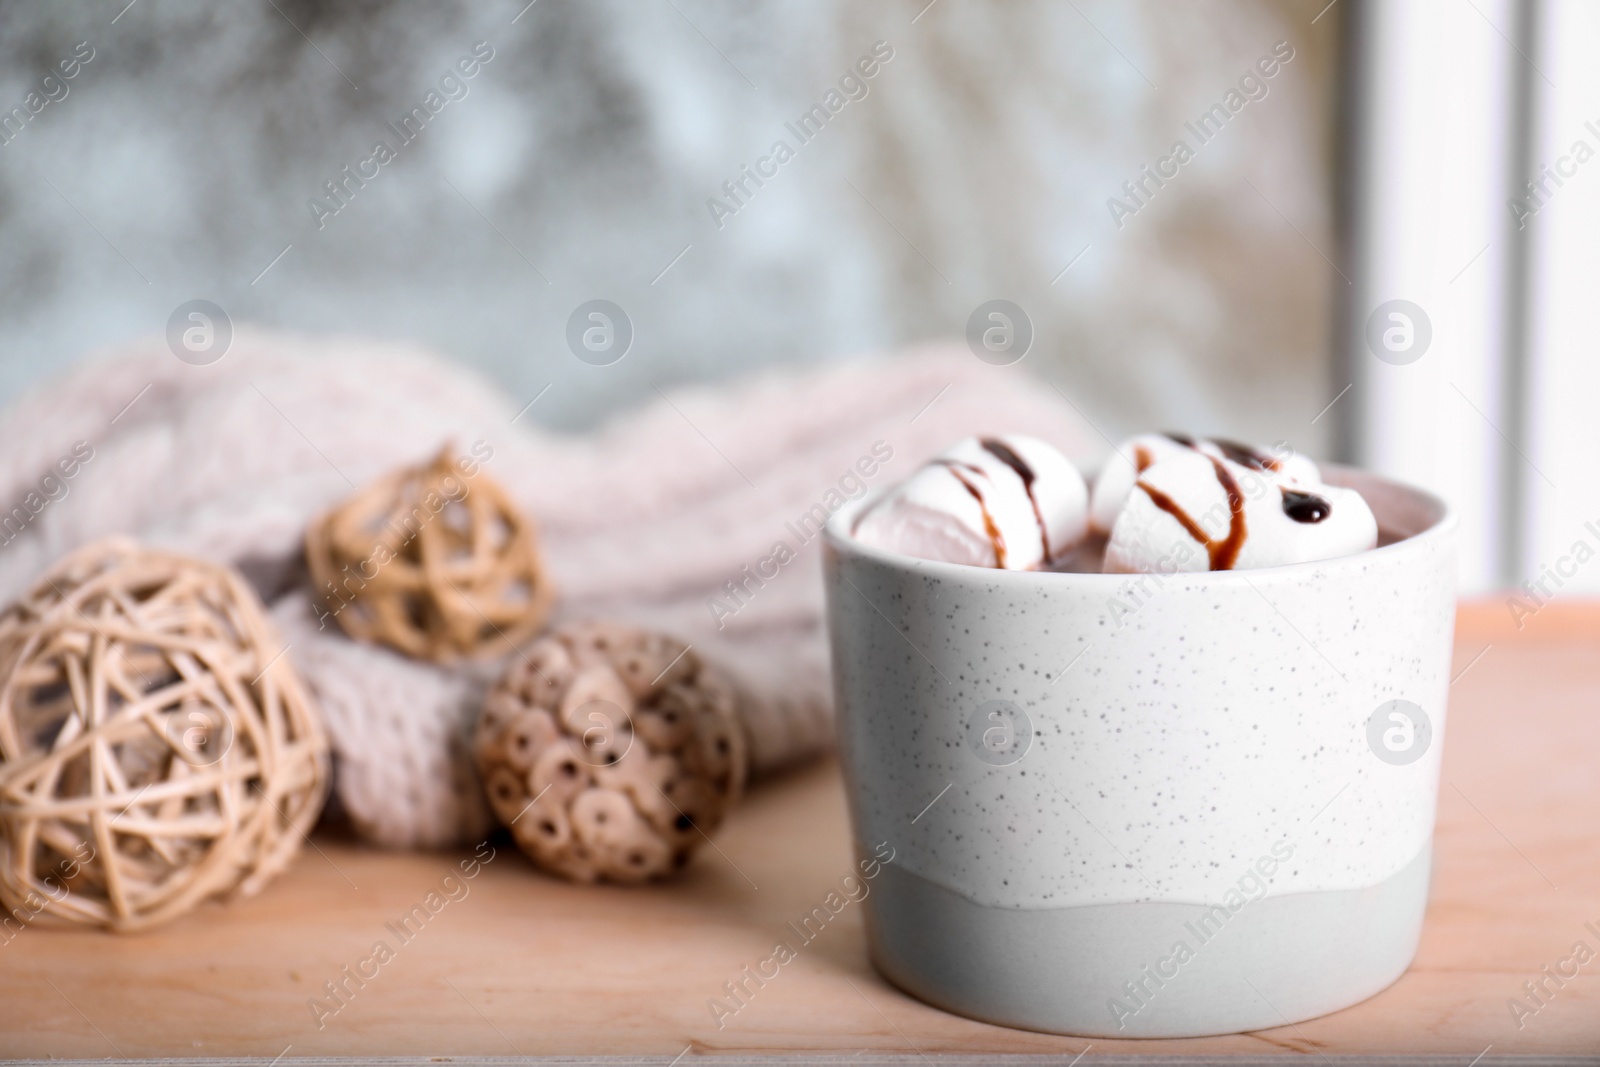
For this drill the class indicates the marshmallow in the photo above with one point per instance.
(1012, 502)
(1192, 510)
(1135, 455)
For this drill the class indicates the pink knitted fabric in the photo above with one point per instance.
(646, 519)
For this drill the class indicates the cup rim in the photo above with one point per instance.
(837, 536)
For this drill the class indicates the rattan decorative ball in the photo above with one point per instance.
(156, 746)
(611, 752)
(433, 560)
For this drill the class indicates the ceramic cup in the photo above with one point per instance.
(1147, 805)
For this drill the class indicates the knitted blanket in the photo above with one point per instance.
(674, 515)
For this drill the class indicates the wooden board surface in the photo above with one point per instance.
(522, 965)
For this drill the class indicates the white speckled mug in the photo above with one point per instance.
(1148, 806)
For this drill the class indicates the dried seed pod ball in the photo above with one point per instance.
(611, 752)
(156, 745)
(433, 560)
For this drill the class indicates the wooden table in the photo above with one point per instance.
(526, 966)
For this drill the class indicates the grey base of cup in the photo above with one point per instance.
(1275, 961)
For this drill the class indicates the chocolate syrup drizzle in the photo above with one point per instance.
(1246, 456)
(1305, 507)
(997, 539)
(1243, 455)
(1007, 455)
(1298, 504)
(1224, 553)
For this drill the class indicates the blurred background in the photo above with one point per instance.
(602, 150)
(579, 162)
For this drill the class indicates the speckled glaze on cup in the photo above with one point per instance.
(1081, 772)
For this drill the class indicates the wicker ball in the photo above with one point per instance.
(156, 746)
(611, 752)
(433, 560)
